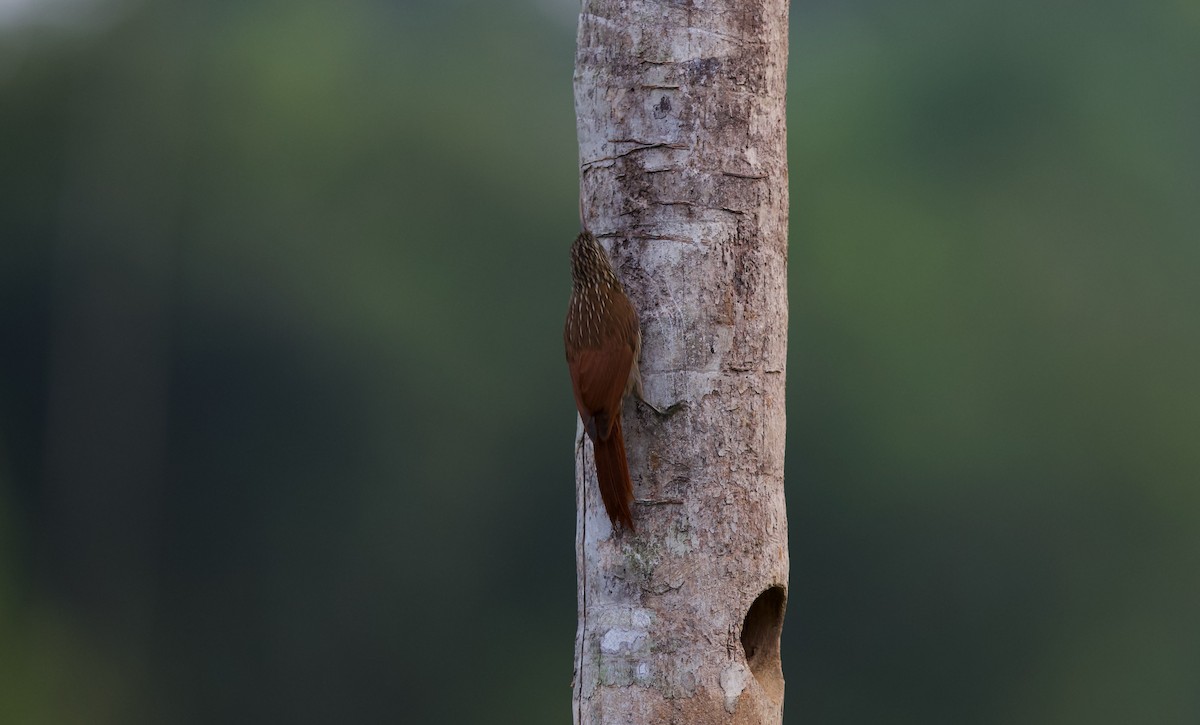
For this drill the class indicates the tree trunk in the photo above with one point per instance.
(681, 121)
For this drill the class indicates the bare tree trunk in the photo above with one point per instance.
(681, 120)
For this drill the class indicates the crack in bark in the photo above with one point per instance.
(646, 237)
(736, 39)
(664, 202)
(597, 163)
(736, 175)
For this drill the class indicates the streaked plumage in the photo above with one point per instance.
(602, 341)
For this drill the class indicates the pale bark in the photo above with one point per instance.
(680, 109)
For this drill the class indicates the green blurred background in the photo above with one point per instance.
(285, 429)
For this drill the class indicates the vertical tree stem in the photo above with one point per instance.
(682, 138)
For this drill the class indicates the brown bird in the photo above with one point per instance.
(603, 339)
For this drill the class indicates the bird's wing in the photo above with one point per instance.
(599, 377)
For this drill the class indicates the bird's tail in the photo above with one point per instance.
(612, 474)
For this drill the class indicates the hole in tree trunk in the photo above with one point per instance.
(760, 640)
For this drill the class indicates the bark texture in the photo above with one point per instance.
(681, 120)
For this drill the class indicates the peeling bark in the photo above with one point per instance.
(681, 122)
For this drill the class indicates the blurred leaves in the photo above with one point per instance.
(994, 323)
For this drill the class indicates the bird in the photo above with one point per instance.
(603, 340)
